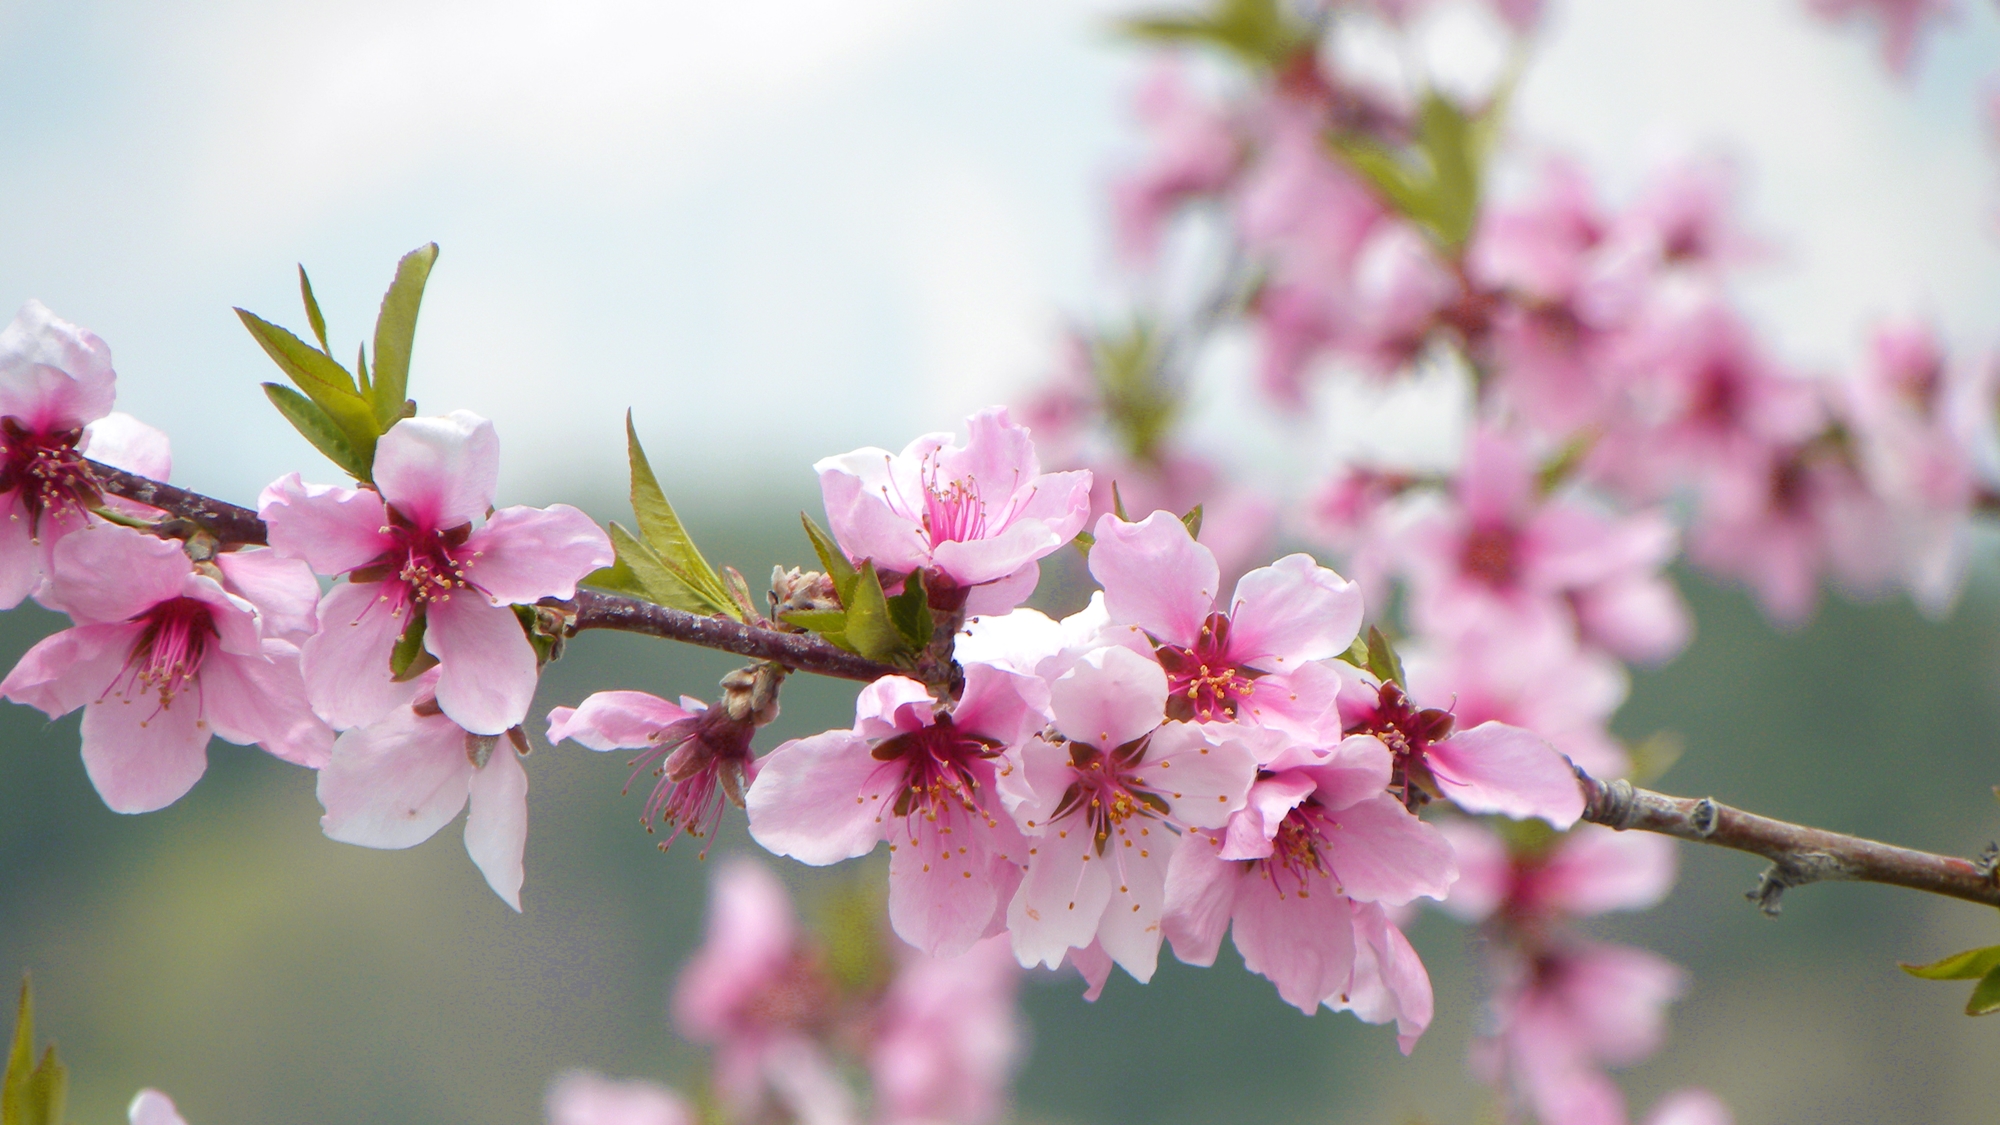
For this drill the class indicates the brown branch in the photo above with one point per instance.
(1798, 854)
(591, 609)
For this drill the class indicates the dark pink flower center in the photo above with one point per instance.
(954, 511)
(1408, 732)
(698, 764)
(45, 469)
(428, 564)
(1108, 791)
(1490, 555)
(1203, 682)
(174, 640)
(1298, 851)
(940, 767)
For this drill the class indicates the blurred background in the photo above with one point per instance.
(784, 230)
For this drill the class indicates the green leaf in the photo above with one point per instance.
(658, 583)
(1257, 32)
(313, 315)
(662, 530)
(1118, 504)
(1969, 965)
(325, 382)
(1192, 521)
(1139, 402)
(832, 560)
(410, 659)
(828, 623)
(32, 1093)
(1383, 661)
(911, 611)
(396, 332)
(619, 579)
(1985, 998)
(312, 422)
(1435, 182)
(870, 629)
(1083, 542)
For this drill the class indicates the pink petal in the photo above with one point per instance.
(283, 589)
(1301, 942)
(1290, 612)
(1003, 594)
(1691, 1107)
(1111, 697)
(1034, 788)
(489, 674)
(1485, 870)
(523, 555)
(748, 945)
(21, 565)
(997, 557)
(1496, 768)
(998, 454)
(346, 664)
(496, 824)
(333, 529)
(1094, 966)
(1358, 769)
(123, 442)
(140, 755)
(614, 720)
(1389, 978)
(1130, 928)
(1597, 870)
(394, 784)
(868, 495)
(1303, 703)
(948, 884)
(261, 700)
(1062, 897)
(1383, 853)
(820, 800)
(1155, 576)
(1001, 705)
(66, 670)
(1203, 782)
(109, 573)
(580, 1098)
(1201, 894)
(892, 705)
(440, 472)
(1252, 828)
(151, 1107)
(1018, 641)
(234, 619)
(53, 374)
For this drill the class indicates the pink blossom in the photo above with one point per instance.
(948, 1038)
(151, 1107)
(699, 756)
(1681, 224)
(1316, 834)
(759, 998)
(1540, 250)
(396, 781)
(1690, 1107)
(56, 389)
(972, 516)
(1589, 870)
(1197, 154)
(1538, 679)
(1900, 23)
(1490, 768)
(583, 1098)
(1400, 291)
(924, 779)
(1100, 800)
(1253, 660)
(1237, 520)
(414, 551)
(161, 657)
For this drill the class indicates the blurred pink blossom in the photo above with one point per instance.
(582, 1098)
(948, 1037)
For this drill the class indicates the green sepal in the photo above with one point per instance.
(870, 630)
(410, 659)
(32, 1093)
(911, 612)
(1357, 653)
(396, 333)
(657, 583)
(1969, 965)
(1985, 998)
(1118, 504)
(1256, 31)
(313, 315)
(1382, 661)
(1559, 468)
(663, 532)
(1192, 521)
(832, 560)
(1083, 542)
(312, 423)
(325, 382)
(545, 645)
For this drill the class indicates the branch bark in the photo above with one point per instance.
(1798, 854)
(591, 609)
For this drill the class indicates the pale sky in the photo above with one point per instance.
(786, 229)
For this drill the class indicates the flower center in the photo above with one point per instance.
(940, 766)
(1106, 793)
(1298, 852)
(45, 469)
(1203, 683)
(175, 639)
(697, 764)
(1488, 555)
(1408, 732)
(429, 564)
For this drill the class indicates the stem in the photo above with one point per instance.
(593, 609)
(1798, 854)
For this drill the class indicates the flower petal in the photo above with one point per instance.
(346, 664)
(66, 670)
(1109, 698)
(1201, 895)
(819, 800)
(261, 700)
(1496, 768)
(496, 824)
(123, 442)
(1383, 853)
(1155, 576)
(1301, 940)
(53, 374)
(1061, 899)
(142, 756)
(1203, 782)
(489, 675)
(439, 472)
(395, 783)
(1290, 612)
(1130, 929)
(283, 590)
(614, 720)
(1390, 981)
(150, 1107)
(110, 573)
(333, 529)
(523, 555)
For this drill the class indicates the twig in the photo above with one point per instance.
(1798, 854)
(591, 609)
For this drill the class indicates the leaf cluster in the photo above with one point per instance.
(1982, 965)
(1376, 656)
(343, 412)
(1434, 180)
(1260, 33)
(660, 563)
(32, 1093)
(887, 629)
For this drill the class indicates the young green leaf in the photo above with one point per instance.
(396, 333)
(832, 560)
(911, 611)
(325, 382)
(32, 1093)
(663, 532)
(410, 659)
(1383, 662)
(1083, 542)
(1985, 998)
(1192, 521)
(619, 579)
(659, 582)
(830, 624)
(870, 630)
(1434, 183)
(312, 423)
(1969, 965)
(313, 315)
(1258, 32)
(1118, 504)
